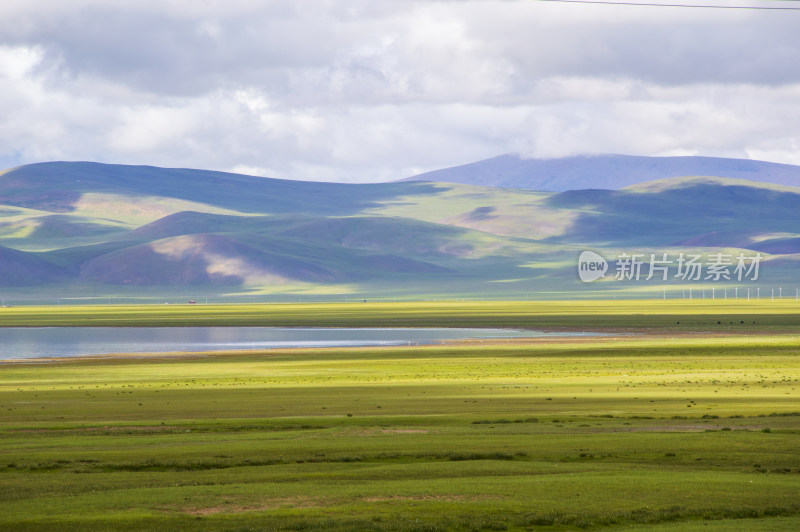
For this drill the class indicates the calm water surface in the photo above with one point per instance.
(38, 342)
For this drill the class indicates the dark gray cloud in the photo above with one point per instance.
(681, 47)
(378, 89)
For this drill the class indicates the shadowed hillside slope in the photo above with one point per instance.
(199, 259)
(220, 259)
(58, 186)
(18, 268)
(673, 212)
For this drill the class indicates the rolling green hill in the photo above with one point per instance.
(61, 187)
(88, 229)
(671, 212)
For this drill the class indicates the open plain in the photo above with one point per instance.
(685, 416)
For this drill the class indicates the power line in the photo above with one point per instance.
(704, 6)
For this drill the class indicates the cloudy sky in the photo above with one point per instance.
(370, 90)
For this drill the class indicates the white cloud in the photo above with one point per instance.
(143, 130)
(16, 62)
(380, 89)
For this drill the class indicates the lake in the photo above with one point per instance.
(39, 342)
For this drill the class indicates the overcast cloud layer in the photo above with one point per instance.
(369, 90)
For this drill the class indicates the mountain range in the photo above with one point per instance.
(605, 171)
(90, 229)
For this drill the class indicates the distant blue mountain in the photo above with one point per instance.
(605, 171)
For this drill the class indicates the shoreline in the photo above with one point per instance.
(605, 337)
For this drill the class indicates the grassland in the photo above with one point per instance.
(674, 429)
(673, 315)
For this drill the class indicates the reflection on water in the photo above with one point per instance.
(37, 342)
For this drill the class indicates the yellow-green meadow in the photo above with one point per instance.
(660, 425)
(675, 314)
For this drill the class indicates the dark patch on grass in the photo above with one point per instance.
(227, 462)
(504, 421)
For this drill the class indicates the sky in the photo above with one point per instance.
(375, 90)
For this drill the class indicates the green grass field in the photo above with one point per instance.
(673, 315)
(673, 429)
